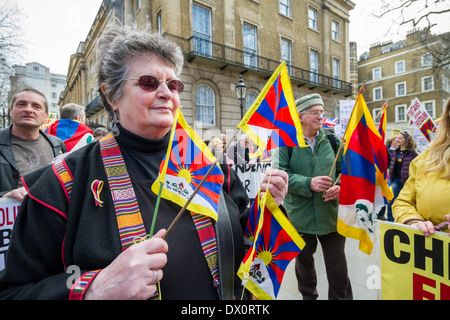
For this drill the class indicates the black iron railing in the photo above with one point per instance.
(194, 47)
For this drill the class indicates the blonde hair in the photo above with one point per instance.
(439, 151)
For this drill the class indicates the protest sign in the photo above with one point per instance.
(421, 119)
(345, 111)
(413, 267)
(52, 117)
(252, 176)
(8, 213)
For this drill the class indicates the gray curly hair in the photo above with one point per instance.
(118, 45)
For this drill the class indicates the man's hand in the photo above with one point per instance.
(18, 194)
(320, 183)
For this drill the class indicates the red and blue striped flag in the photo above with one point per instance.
(275, 243)
(74, 134)
(273, 121)
(186, 163)
(363, 182)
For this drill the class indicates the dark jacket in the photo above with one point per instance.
(404, 172)
(9, 172)
(51, 234)
(307, 210)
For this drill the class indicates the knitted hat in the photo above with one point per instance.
(308, 101)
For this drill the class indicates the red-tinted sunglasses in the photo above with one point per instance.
(151, 83)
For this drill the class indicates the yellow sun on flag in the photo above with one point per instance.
(265, 256)
(185, 174)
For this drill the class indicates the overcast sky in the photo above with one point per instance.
(54, 28)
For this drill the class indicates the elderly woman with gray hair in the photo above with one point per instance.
(81, 232)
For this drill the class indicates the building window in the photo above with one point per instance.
(400, 89)
(286, 54)
(376, 115)
(430, 107)
(400, 66)
(336, 72)
(314, 65)
(36, 69)
(427, 60)
(427, 84)
(285, 7)
(159, 22)
(377, 93)
(312, 18)
(54, 95)
(249, 100)
(202, 30)
(400, 113)
(205, 105)
(250, 50)
(335, 30)
(376, 73)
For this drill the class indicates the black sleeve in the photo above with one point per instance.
(34, 267)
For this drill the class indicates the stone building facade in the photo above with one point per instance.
(224, 39)
(402, 71)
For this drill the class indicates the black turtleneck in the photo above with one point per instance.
(186, 274)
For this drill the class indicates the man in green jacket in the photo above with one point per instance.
(312, 200)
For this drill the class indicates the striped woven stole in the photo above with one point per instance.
(207, 236)
(129, 219)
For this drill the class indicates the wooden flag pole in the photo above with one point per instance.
(197, 189)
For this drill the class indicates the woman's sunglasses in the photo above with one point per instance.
(151, 83)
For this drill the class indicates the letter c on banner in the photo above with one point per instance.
(389, 246)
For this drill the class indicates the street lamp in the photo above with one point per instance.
(241, 89)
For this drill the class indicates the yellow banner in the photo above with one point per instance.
(413, 267)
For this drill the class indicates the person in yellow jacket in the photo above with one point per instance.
(424, 200)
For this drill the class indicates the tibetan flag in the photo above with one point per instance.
(275, 243)
(383, 122)
(186, 163)
(427, 128)
(363, 182)
(273, 121)
(74, 134)
(328, 123)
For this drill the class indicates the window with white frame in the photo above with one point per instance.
(159, 22)
(400, 113)
(427, 60)
(430, 107)
(314, 65)
(427, 83)
(336, 72)
(286, 51)
(334, 30)
(312, 18)
(205, 105)
(400, 89)
(376, 73)
(400, 66)
(202, 30)
(376, 115)
(250, 43)
(285, 7)
(377, 93)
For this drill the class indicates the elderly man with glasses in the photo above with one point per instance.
(312, 200)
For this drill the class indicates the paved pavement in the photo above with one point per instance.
(358, 264)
